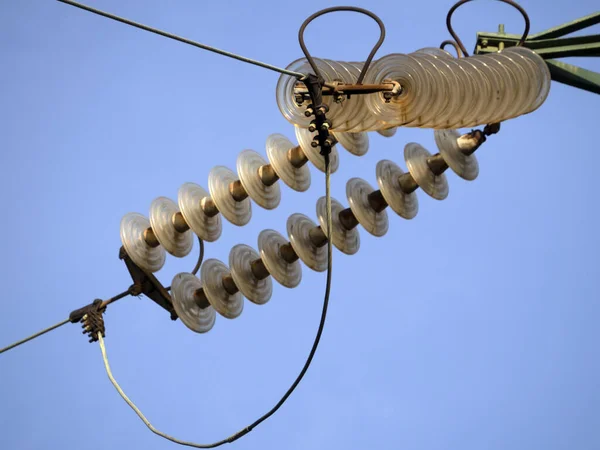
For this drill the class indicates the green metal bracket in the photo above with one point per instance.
(551, 44)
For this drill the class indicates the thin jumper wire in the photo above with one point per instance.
(198, 263)
(131, 404)
(33, 336)
(182, 39)
(296, 382)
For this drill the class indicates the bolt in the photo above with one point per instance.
(322, 110)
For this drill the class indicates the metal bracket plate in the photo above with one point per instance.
(148, 285)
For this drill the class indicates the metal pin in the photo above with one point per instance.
(150, 238)
(501, 31)
(376, 201)
(348, 219)
(267, 175)
(201, 299)
(297, 157)
(288, 253)
(237, 191)
(317, 237)
(179, 222)
(208, 206)
(259, 269)
(407, 183)
(229, 285)
(437, 164)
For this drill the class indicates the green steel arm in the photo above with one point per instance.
(549, 44)
(567, 28)
(574, 76)
(546, 48)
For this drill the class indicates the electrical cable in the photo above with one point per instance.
(33, 336)
(182, 39)
(105, 303)
(198, 263)
(508, 2)
(298, 379)
(200, 257)
(366, 12)
(453, 44)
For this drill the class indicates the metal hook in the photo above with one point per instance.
(462, 2)
(335, 9)
(453, 44)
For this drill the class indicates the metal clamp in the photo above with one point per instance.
(390, 89)
(91, 318)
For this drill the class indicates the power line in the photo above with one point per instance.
(182, 39)
(33, 336)
(104, 304)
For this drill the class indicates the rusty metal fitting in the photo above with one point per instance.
(491, 128)
(321, 111)
(150, 238)
(91, 319)
(395, 92)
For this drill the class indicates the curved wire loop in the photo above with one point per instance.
(453, 44)
(462, 2)
(198, 263)
(200, 256)
(294, 385)
(310, 59)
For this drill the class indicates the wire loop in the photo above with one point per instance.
(310, 59)
(462, 2)
(282, 400)
(198, 263)
(459, 54)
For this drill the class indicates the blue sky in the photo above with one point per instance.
(472, 326)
